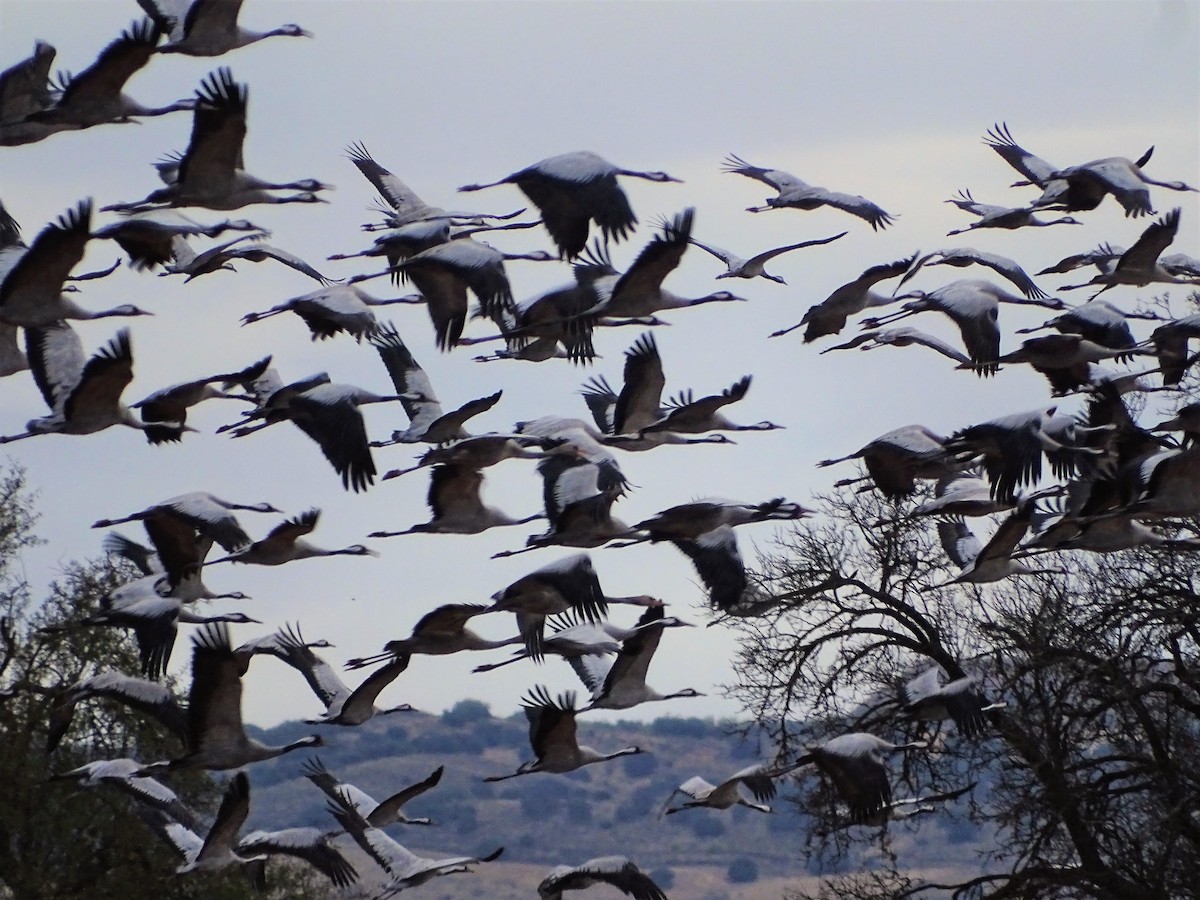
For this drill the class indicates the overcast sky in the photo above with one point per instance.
(887, 100)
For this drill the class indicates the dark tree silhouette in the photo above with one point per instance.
(1089, 777)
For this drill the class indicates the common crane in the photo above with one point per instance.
(854, 762)
(896, 460)
(208, 27)
(571, 639)
(411, 238)
(758, 779)
(640, 401)
(457, 507)
(31, 294)
(984, 563)
(445, 273)
(797, 194)
(573, 189)
(897, 810)
(961, 257)
(120, 774)
(1010, 217)
(155, 622)
(24, 90)
(755, 266)
(592, 444)
(285, 543)
(164, 412)
(1103, 256)
(624, 419)
(330, 415)
(1011, 447)
(638, 292)
(479, 452)
(439, 632)
(210, 173)
(216, 850)
(221, 848)
(343, 706)
(149, 237)
(1121, 177)
(623, 684)
(961, 493)
(1059, 189)
(1139, 265)
(1170, 342)
(428, 422)
(687, 414)
(579, 494)
(566, 584)
(830, 315)
(84, 396)
(1099, 322)
(333, 309)
(552, 324)
(273, 645)
(903, 337)
(148, 697)
(186, 261)
(96, 95)
(618, 871)
(925, 698)
(689, 521)
(216, 738)
(552, 737)
(974, 306)
(405, 867)
(1065, 359)
(407, 208)
(312, 845)
(377, 814)
(207, 514)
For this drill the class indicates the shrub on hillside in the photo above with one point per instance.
(639, 765)
(673, 726)
(742, 870)
(465, 712)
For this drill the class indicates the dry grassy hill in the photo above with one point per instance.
(612, 808)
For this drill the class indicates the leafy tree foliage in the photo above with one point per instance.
(1089, 778)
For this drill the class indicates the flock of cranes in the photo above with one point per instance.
(1117, 477)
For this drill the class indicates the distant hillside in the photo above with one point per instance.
(543, 820)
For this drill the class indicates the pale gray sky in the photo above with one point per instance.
(888, 100)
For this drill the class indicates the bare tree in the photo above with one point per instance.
(1089, 777)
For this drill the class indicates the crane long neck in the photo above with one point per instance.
(486, 644)
(602, 757)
